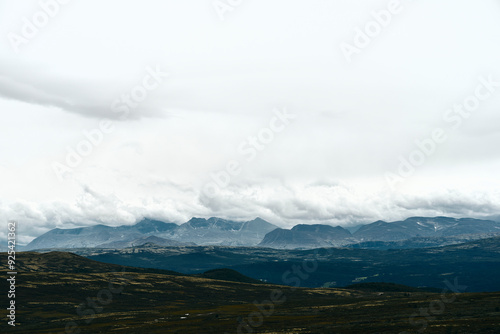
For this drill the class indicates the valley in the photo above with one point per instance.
(476, 263)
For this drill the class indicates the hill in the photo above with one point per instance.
(476, 263)
(387, 287)
(225, 274)
(127, 301)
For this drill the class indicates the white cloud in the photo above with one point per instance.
(353, 120)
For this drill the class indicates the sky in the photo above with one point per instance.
(315, 112)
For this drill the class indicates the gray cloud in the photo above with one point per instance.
(335, 205)
(88, 99)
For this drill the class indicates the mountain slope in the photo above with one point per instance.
(145, 240)
(96, 300)
(475, 264)
(95, 236)
(217, 231)
(307, 236)
(424, 227)
(228, 275)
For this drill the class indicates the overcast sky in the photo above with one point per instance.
(311, 117)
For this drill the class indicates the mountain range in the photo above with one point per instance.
(420, 231)
(425, 227)
(200, 231)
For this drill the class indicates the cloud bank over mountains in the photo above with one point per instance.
(285, 207)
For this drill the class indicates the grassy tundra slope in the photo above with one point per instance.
(50, 287)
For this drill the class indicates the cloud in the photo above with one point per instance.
(87, 99)
(284, 205)
(452, 202)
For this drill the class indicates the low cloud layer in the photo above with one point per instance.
(282, 205)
